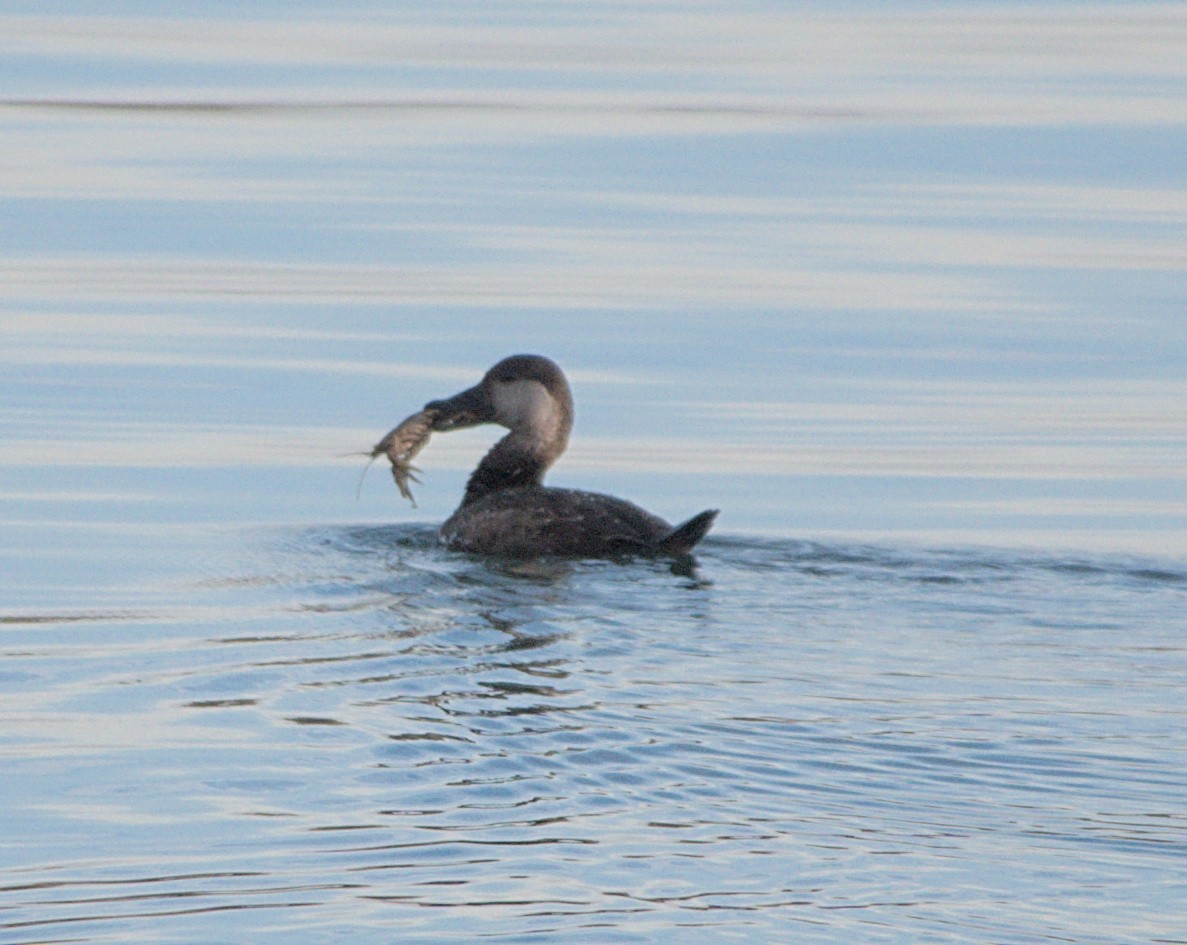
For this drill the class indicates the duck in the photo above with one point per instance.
(507, 510)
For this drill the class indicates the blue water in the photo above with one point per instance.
(899, 290)
(344, 732)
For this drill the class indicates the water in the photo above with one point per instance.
(899, 290)
(344, 732)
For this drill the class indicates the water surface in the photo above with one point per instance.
(900, 290)
(351, 732)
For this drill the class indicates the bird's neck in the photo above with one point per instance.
(519, 459)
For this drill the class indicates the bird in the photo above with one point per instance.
(507, 510)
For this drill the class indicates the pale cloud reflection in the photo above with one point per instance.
(18, 325)
(49, 496)
(1053, 447)
(805, 233)
(758, 48)
(926, 458)
(166, 340)
(82, 356)
(1043, 430)
(1069, 408)
(1078, 506)
(626, 283)
(965, 224)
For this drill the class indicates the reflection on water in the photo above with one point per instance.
(358, 731)
(1053, 63)
(872, 277)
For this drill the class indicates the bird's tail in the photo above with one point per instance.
(683, 538)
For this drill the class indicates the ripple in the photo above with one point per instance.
(347, 727)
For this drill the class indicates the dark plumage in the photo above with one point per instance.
(507, 511)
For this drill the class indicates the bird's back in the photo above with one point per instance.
(538, 520)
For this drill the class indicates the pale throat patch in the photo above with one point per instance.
(527, 407)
